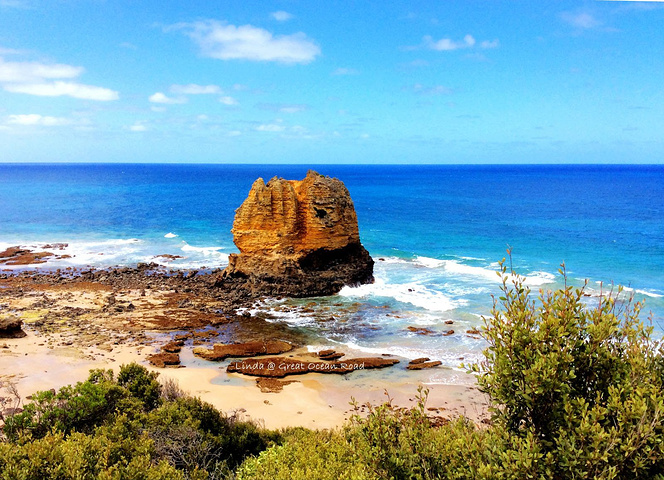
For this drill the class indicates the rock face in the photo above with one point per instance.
(298, 238)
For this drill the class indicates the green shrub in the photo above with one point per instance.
(141, 383)
(193, 435)
(577, 388)
(111, 452)
(78, 408)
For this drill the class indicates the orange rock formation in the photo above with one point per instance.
(297, 230)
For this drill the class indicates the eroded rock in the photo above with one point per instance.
(164, 359)
(422, 363)
(298, 238)
(10, 327)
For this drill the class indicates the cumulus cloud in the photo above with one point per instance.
(35, 119)
(59, 89)
(193, 89)
(281, 16)
(230, 101)
(160, 97)
(35, 72)
(229, 42)
(42, 79)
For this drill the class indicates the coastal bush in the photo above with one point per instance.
(141, 383)
(78, 408)
(389, 443)
(577, 389)
(193, 435)
(576, 386)
(116, 451)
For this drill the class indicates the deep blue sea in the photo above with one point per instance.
(436, 233)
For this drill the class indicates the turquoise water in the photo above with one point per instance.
(436, 232)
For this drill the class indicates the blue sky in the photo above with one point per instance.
(295, 81)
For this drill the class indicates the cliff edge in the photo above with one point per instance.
(298, 238)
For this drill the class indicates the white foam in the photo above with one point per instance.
(429, 262)
(412, 293)
(641, 291)
(449, 358)
(170, 235)
(207, 251)
(536, 279)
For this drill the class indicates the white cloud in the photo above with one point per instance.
(228, 101)
(13, 3)
(281, 16)
(234, 133)
(293, 108)
(35, 72)
(283, 108)
(59, 89)
(246, 42)
(446, 44)
(490, 44)
(34, 78)
(193, 89)
(583, 20)
(160, 97)
(35, 119)
(138, 127)
(270, 127)
(345, 71)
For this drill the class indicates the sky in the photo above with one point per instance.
(303, 81)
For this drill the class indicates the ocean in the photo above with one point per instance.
(436, 233)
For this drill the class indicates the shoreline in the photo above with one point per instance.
(111, 319)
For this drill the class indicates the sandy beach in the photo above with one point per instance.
(71, 330)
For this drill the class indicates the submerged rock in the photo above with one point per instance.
(422, 363)
(298, 238)
(22, 256)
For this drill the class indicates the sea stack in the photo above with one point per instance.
(298, 238)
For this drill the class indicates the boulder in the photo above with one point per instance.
(422, 363)
(10, 327)
(164, 359)
(248, 349)
(298, 238)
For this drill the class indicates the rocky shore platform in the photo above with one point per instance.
(72, 320)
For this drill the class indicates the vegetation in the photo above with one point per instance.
(576, 385)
